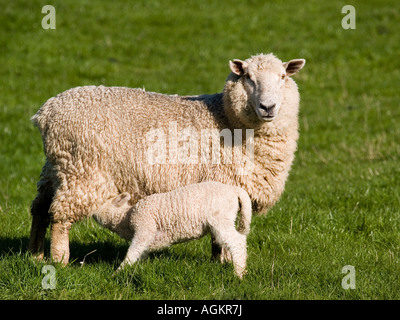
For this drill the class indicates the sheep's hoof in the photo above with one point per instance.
(115, 273)
(37, 256)
(241, 273)
(118, 271)
(225, 256)
(121, 267)
(62, 262)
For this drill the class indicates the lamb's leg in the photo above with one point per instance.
(226, 256)
(219, 253)
(40, 215)
(237, 248)
(139, 247)
(216, 249)
(136, 251)
(235, 243)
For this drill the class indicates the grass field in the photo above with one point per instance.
(341, 204)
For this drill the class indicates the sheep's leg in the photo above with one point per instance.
(138, 248)
(235, 243)
(60, 241)
(216, 249)
(64, 212)
(37, 235)
(40, 214)
(75, 198)
(237, 248)
(62, 219)
(219, 253)
(226, 256)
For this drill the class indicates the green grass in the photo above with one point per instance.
(341, 202)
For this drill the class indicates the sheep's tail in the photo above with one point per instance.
(35, 120)
(245, 211)
(39, 120)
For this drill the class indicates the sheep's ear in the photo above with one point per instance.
(122, 199)
(294, 66)
(238, 67)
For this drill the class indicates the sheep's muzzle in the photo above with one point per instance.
(267, 112)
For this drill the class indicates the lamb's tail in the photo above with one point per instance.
(245, 211)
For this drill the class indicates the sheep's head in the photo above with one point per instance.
(263, 80)
(113, 207)
(121, 200)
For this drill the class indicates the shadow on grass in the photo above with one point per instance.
(9, 246)
(88, 253)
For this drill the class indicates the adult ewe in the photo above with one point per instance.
(96, 141)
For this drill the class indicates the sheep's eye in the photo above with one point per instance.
(283, 76)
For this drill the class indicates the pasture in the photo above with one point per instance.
(341, 205)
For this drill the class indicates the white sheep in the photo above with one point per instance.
(96, 144)
(186, 213)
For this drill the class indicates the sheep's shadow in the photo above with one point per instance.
(112, 253)
(9, 246)
(87, 253)
(94, 252)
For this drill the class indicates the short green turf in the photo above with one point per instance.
(342, 200)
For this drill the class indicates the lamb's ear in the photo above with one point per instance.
(122, 199)
(238, 67)
(294, 66)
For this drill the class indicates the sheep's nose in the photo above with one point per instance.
(268, 109)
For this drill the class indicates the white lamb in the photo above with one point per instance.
(183, 214)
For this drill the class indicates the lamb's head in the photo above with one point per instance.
(113, 210)
(255, 89)
(120, 201)
(115, 214)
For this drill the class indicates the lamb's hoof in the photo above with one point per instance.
(116, 272)
(225, 256)
(241, 273)
(120, 268)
